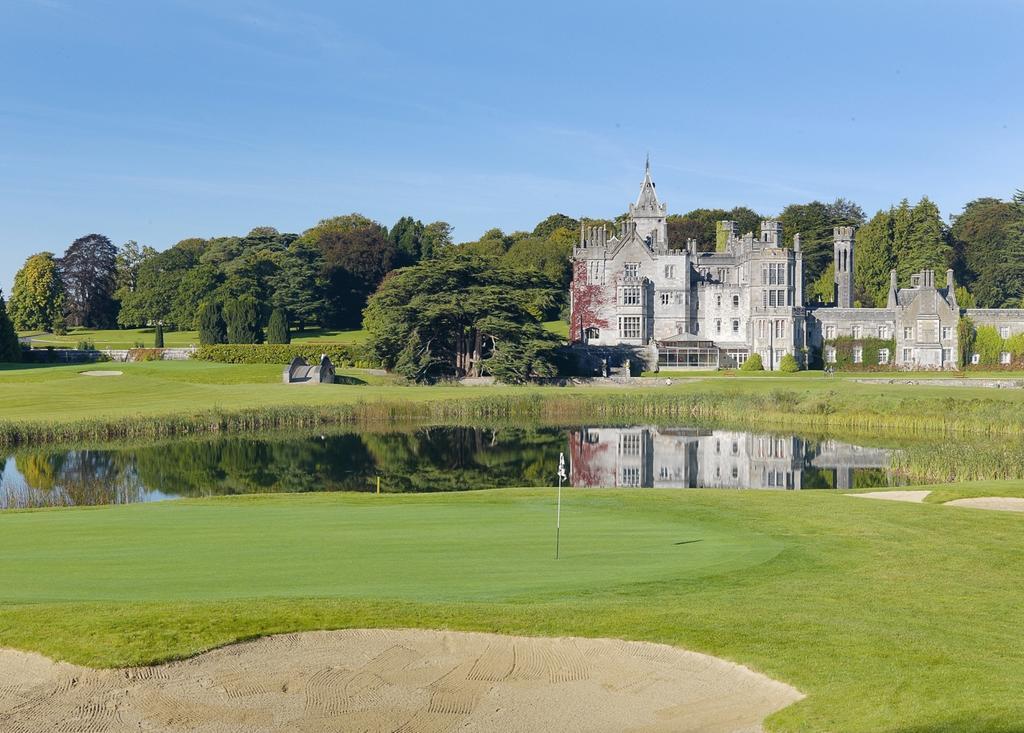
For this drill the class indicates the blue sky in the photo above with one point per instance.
(160, 120)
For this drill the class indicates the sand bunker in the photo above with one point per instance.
(101, 373)
(915, 496)
(999, 503)
(401, 681)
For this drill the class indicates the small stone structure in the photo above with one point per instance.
(300, 372)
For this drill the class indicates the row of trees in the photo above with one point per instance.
(321, 277)
(244, 289)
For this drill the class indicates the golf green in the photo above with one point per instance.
(419, 548)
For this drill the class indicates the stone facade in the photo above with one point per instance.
(680, 458)
(681, 308)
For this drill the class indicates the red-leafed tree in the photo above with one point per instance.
(587, 299)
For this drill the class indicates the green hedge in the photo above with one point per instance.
(844, 346)
(342, 355)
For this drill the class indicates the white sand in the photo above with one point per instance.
(400, 681)
(915, 496)
(999, 503)
(101, 373)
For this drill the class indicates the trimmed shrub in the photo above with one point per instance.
(341, 354)
(158, 340)
(965, 335)
(753, 364)
(277, 328)
(211, 324)
(242, 317)
(145, 354)
(789, 364)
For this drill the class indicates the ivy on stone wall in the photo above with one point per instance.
(990, 346)
(844, 346)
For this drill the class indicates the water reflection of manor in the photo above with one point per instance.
(694, 458)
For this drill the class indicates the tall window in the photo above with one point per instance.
(771, 298)
(908, 356)
(883, 332)
(629, 444)
(947, 355)
(629, 327)
(947, 333)
(1004, 357)
(718, 325)
(595, 272)
(631, 296)
(666, 298)
(858, 355)
(780, 328)
(1004, 332)
(908, 332)
(735, 301)
(718, 301)
(632, 269)
(735, 325)
(830, 354)
(883, 356)
(670, 271)
(830, 332)
(856, 332)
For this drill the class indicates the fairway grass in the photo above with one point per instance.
(891, 617)
(155, 399)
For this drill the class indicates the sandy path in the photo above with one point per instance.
(999, 503)
(915, 496)
(401, 681)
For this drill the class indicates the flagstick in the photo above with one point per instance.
(558, 511)
(558, 517)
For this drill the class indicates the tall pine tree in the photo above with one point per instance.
(277, 328)
(10, 348)
(211, 324)
(874, 259)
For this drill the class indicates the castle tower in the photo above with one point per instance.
(842, 248)
(648, 214)
(771, 233)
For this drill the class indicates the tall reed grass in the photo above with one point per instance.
(776, 410)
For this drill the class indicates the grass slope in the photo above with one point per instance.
(890, 616)
(45, 393)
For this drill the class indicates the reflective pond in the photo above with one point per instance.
(437, 459)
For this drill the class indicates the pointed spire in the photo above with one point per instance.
(647, 201)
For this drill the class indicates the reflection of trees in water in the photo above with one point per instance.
(74, 478)
(452, 459)
(435, 459)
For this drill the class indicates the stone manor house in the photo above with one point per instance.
(635, 298)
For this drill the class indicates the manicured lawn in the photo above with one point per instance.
(59, 395)
(891, 617)
(559, 328)
(128, 338)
